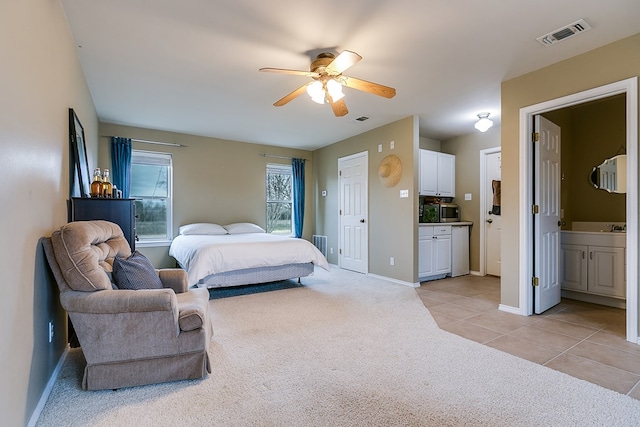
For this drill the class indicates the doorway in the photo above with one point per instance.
(353, 178)
(525, 262)
(490, 205)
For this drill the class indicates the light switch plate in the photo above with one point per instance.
(467, 196)
(392, 145)
(404, 193)
(379, 148)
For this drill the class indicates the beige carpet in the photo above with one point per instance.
(344, 350)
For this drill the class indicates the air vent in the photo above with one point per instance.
(564, 33)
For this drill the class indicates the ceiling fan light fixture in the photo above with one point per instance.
(334, 89)
(483, 124)
(316, 91)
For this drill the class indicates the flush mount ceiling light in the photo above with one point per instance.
(483, 124)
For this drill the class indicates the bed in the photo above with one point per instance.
(237, 254)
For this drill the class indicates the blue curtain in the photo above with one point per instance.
(297, 166)
(121, 164)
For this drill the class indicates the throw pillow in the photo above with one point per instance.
(135, 272)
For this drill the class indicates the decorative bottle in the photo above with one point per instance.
(107, 187)
(96, 184)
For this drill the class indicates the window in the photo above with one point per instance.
(152, 187)
(279, 199)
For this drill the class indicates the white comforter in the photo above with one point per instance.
(202, 255)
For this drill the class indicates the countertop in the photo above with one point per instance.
(446, 223)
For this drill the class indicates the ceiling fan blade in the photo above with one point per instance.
(302, 89)
(374, 88)
(343, 61)
(294, 72)
(339, 107)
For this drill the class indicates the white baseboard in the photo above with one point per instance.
(389, 279)
(512, 310)
(474, 273)
(47, 390)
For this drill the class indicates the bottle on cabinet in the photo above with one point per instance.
(107, 187)
(96, 184)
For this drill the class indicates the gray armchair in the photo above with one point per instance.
(128, 337)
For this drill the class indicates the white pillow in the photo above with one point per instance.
(202, 228)
(243, 228)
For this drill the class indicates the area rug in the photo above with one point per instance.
(344, 349)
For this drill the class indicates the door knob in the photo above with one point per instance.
(490, 212)
(489, 220)
(362, 220)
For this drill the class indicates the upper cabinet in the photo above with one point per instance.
(437, 174)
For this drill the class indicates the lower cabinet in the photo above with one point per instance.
(434, 251)
(597, 268)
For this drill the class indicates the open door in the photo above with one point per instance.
(546, 214)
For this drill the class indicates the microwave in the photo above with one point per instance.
(440, 212)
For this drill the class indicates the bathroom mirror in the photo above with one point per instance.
(611, 175)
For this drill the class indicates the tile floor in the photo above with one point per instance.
(584, 340)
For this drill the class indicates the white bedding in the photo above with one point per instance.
(203, 255)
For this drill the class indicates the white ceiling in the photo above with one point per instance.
(191, 66)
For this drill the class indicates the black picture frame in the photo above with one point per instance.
(79, 165)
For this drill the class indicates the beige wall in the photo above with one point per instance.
(214, 180)
(40, 80)
(591, 133)
(392, 220)
(467, 149)
(611, 63)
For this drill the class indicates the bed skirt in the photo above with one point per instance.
(251, 276)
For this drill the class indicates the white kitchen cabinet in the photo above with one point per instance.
(434, 251)
(437, 174)
(593, 263)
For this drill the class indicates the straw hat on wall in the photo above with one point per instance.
(390, 170)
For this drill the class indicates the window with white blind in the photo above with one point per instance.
(152, 187)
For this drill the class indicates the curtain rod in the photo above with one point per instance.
(144, 141)
(275, 156)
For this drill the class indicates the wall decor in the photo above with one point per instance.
(79, 163)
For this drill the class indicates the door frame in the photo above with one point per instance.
(364, 154)
(483, 203)
(525, 182)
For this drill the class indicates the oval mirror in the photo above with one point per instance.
(611, 175)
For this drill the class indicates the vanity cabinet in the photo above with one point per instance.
(437, 174)
(593, 263)
(434, 251)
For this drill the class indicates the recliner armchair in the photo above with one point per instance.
(128, 337)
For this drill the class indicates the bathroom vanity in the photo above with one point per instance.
(593, 266)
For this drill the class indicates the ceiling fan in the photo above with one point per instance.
(326, 71)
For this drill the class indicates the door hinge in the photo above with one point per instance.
(340, 212)
(340, 251)
(535, 281)
(536, 136)
(339, 173)
(535, 209)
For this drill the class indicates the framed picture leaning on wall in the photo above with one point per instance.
(79, 177)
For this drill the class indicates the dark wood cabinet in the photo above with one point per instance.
(119, 211)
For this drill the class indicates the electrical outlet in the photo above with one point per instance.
(331, 251)
(51, 331)
(392, 145)
(392, 261)
(379, 148)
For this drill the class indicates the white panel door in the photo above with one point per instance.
(546, 263)
(492, 213)
(353, 177)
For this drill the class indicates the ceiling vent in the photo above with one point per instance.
(564, 33)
